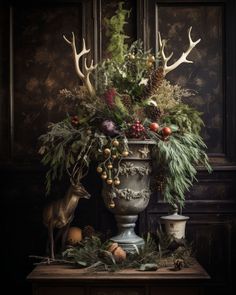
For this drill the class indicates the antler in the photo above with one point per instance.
(77, 56)
(182, 59)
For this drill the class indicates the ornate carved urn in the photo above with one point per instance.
(131, 197)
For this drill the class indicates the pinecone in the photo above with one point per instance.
(178, 263)
(127, 102)
(154, 82)
(88, 231)
(152, 112)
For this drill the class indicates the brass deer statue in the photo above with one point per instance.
(60, 213)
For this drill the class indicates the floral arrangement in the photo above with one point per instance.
(131, 99)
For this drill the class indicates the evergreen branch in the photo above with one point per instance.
(177, 159)
(115, 31)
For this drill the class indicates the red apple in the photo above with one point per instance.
(166, 131)
(154, 126)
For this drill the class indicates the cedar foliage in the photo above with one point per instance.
(115, 32)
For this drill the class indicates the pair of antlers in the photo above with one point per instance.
(85, 77)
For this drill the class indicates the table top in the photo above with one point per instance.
(69, 273)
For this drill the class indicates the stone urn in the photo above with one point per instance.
(132, 195)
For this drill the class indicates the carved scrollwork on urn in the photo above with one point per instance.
(129, 194)
(128, 168)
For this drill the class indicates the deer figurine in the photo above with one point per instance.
(60, 213)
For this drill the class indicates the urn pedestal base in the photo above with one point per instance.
(127, 237)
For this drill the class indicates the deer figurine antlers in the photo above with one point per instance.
(84, 77)
(182, 59)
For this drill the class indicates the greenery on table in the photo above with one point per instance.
(92, 254)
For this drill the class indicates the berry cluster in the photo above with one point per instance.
(137, 130)
(75, 121)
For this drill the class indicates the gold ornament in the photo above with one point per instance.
(117, 181)
(114, 156)
(99, 169)
(109, 181)
(107, 151)
(115, 143)
(125, 153)
(109, 166)
(104, 175)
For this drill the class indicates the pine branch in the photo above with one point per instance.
(177, 158)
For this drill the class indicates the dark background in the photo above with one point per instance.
(35, 63)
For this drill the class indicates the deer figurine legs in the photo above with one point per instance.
(64, 236)
(61, 234)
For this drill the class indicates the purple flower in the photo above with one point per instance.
(109, 128)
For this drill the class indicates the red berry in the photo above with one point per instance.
(136, 130)
(75, 120)
(154, 126)
(166, 131)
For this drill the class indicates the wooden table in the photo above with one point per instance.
(66, 280)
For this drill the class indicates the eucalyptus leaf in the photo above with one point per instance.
(148, 267)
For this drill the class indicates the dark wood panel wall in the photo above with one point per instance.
(211, 202)
(36, 63)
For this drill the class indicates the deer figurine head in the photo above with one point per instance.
(85, 77)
